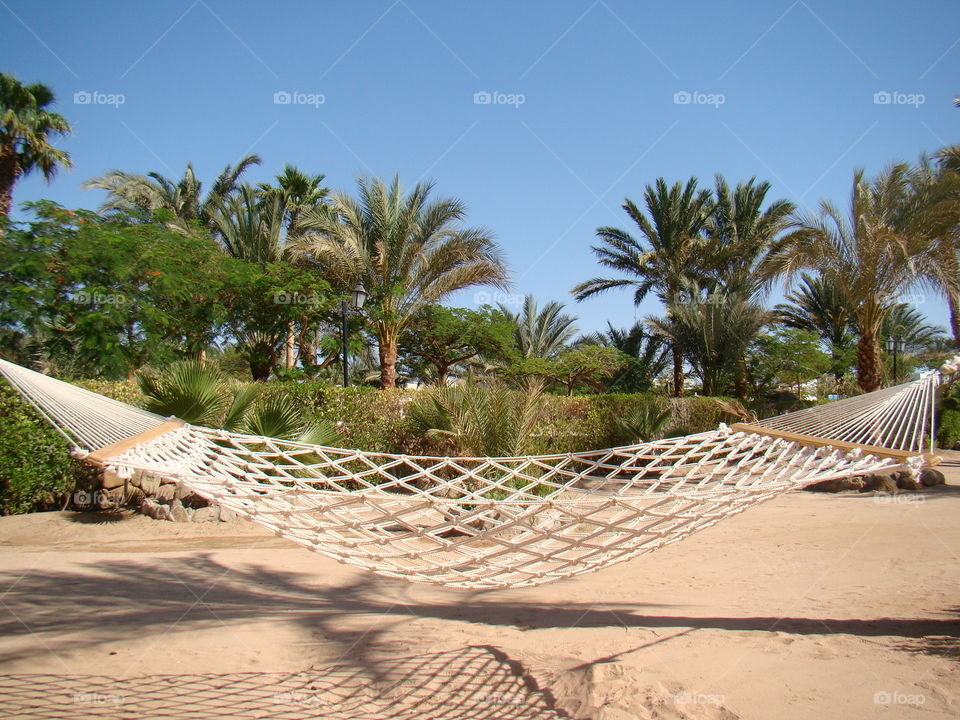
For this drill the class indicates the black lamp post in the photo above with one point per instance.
(894, 345)
(358, 296)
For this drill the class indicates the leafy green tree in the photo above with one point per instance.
(647, 353)
(441, 338)
(540, 333)
(669, 253)
(27, 129)
(877, 252)
(785, 357)
(406, 250)
(587, 365)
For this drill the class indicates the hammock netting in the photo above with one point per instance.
(497, 522)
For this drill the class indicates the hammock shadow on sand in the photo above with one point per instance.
(474, 682)
(112, 600)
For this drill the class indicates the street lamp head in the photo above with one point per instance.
(358, 296)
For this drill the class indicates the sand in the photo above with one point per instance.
(809, 606)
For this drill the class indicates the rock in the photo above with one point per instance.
(907, 481)
(206, 514)
(879, 483)
(166, 492)
(149, 507)
(838, 485)
(932, 477)
(109, 480)
(227, 515)
(149, 484)
(163, 513)
(178, 512)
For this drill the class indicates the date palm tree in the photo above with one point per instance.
(668, 253)
(407, 251)
(180, 203)
(540, 333)
(873, 254)
(27, 128)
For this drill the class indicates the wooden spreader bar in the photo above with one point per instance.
(814, 441)
(101, 456)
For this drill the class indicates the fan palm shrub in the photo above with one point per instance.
(540, 333)
(197, 393)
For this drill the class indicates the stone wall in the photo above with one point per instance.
(160, 499)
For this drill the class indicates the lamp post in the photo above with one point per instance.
(894, 345)
(358, 296)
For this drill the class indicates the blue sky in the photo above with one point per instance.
(584, 107)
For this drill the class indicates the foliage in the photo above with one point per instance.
(407, 251)
(482, 420)
(540, 333)
(27, 127)
(441, 338)
(35, 467)
(589, 366)
(197, 393)
(644, 422)
(784, 357)
(646, 356)
(948, 417)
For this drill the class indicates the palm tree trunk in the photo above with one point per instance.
(869, 376)
(677, 371)
(953, 303)
(388, 362)
(289, 355)
(9, 170)
(741, 383)
(307, 349)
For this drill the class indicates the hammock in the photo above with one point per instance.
(483, 522)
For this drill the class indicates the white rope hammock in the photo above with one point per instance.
(496, 522)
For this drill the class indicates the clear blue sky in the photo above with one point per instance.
(598, 119)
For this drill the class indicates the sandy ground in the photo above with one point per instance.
(810, 606)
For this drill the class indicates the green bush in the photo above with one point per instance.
(948, 428)
(36, 471)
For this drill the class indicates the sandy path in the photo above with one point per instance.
(810, 606)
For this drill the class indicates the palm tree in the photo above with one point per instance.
(714, 332)
(27, 127)
(668, 254)
(818, 306)
(879, 251)
(942, 186)
(740, 232)
(249, 224)
(180, 204)
(540, 333)
(406, 250)
(911, 327)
